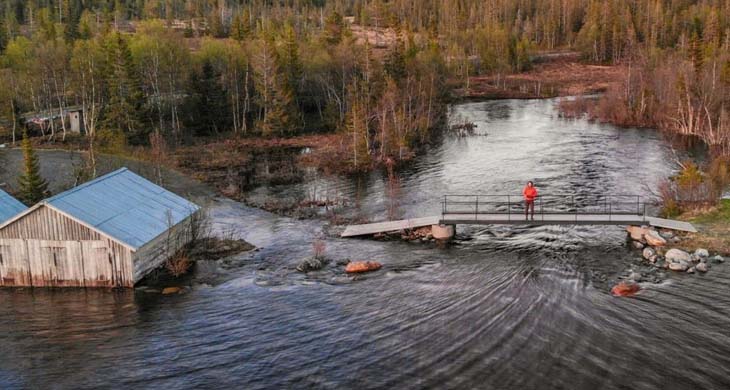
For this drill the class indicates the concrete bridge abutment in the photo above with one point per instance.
(443, 232)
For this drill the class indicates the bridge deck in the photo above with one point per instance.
(517, 219)
(389, 226)
(543, 219)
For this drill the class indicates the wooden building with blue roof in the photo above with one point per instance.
(109, 232)
(9, 206)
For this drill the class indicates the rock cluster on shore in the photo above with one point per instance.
(654, 246)
(422, 234)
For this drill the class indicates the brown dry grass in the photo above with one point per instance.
(178, 264)
(714, 228)
(557, 74)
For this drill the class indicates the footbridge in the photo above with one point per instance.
(511, 210)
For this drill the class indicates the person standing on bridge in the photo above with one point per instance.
(530, 193)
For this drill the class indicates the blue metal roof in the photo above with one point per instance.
(9, 206)
(125, 206)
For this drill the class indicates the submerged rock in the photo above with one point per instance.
(171, 290)
(625, 289)
(362, 266)
(718, 259)
(702, 253)
(635, 276)
(679, 267)
(654, 239)
(310, 264)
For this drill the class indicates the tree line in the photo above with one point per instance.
(148, 71)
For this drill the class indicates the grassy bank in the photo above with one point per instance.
(713, 226)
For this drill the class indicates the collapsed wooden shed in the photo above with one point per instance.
(109, 232)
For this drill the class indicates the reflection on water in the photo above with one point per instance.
(503, 307)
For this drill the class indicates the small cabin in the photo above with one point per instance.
(109, 232)
(73, 118)
(9, 206)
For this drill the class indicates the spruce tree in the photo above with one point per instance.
(210, 103)
(125, 98)
(3, 36)
(239, 31)
(33, 188)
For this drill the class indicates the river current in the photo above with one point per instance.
(519, 307)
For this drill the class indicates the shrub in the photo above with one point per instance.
(179, 264)
(318, 247)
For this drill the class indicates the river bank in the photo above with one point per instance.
(553, 74)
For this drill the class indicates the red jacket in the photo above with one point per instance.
(530, 193)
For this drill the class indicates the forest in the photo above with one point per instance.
(377, 74)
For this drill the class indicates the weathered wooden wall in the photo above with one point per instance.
(156, 252)
(46, 248)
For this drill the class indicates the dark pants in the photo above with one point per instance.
(530, 207)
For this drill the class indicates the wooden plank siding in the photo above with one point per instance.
(47, 248)
(156, 252)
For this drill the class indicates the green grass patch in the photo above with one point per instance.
(719, 215)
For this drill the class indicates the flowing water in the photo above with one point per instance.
(502, 307)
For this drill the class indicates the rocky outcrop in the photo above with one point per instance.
(677, 256)
(653, 238)
(653, 246)
(637, 232)
(356, 267)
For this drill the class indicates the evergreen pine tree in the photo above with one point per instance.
(238, 28)
(3, 36)
(395, 62)
(122, 111)
(210, 104)
(33, 188)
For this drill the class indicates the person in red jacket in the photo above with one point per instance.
(530, 193)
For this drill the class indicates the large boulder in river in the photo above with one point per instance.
(637, 232)
(625, 289)
(654, 239)
(357, 267)
(675, 255)
(702, 253)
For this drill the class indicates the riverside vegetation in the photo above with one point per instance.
(204, 85)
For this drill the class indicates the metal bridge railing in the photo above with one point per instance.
(545, 204)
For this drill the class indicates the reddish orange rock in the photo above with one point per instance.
(356, 267)
(624, 289)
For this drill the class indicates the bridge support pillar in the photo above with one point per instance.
(443, 232)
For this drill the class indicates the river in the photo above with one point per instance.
(502, 307)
